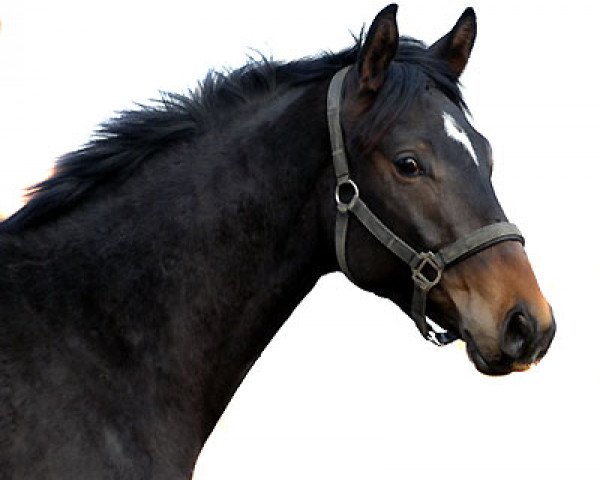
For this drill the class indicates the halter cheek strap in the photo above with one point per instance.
(427, 267)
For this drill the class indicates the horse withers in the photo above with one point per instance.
(142, 280)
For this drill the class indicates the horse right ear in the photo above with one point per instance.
(378, 50)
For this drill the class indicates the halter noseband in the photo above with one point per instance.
(427, 267)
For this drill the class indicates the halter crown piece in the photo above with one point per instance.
(427, 267)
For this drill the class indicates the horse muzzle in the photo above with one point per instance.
(523, 342)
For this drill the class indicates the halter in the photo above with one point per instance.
(427, 267)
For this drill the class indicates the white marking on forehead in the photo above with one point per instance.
(459, 135)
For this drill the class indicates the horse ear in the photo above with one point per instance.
(378, 50)
(455, 47)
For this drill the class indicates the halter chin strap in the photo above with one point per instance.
(427, 267)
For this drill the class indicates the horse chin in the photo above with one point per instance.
(485, 367)
(499, 367)
(491, 368)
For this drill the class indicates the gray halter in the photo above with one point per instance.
(427, 267)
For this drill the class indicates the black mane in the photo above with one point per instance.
(122, 143)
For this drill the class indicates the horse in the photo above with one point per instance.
(147, 273)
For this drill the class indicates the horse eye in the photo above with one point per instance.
(408, 166)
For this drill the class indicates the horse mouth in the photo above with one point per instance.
(503, 366)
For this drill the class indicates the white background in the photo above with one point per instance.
(348, 389)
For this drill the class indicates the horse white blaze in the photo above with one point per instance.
(457, 134)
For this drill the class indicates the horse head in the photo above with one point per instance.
(425, 172)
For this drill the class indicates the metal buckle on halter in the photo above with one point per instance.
(432, 336)
(427, 259)
(343, 206)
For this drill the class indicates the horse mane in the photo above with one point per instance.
(122, 143)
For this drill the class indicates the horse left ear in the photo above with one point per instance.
(378, 50)
(455, 47)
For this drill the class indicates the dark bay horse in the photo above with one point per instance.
(144, 277)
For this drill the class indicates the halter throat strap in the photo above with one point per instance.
(426, 267)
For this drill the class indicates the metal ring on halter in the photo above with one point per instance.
(342, 206)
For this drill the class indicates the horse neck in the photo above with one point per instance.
(173, 303)
(263, 284)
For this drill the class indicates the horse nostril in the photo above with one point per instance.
(518, 334)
